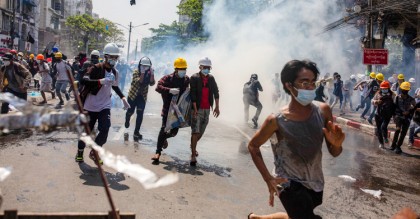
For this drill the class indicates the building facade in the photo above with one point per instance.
(50, 22)
(25, 34)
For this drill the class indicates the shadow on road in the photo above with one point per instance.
(92, 178)
(182, 166)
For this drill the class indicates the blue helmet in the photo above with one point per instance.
(55, 49)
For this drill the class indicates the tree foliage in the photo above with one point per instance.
(86, 30)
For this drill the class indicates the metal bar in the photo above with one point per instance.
(88, 132)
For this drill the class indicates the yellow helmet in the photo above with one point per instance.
(380, 77)
(31, 56)
(401, 76)
(58, 55)
(405, 86)
(180, 63)
(372, 75)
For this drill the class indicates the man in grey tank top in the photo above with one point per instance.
(297, 133)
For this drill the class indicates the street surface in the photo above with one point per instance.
(225, 184)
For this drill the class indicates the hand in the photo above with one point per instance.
(216, 112)
(272, 188)
(334, 134)
(195, 113)
(125, 103)
(174, 91)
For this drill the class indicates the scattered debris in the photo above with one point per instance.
(375, 193)
(347, 178)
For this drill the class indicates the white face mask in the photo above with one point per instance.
(38, 61)
(6, 63)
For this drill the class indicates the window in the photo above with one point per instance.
(10, 4)
(6, 23)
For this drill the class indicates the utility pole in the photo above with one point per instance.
(135, 54)
(129, 38)
(370, 32)
(12, 28)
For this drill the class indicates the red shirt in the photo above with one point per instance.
(205, 103)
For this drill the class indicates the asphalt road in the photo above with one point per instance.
(225, 184)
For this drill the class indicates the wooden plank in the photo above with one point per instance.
(10, 214)
(62, 215)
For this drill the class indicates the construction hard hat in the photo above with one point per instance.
(180, 63)
(401, 76)
(58, 55)
(412, 80)
(95, 53)
(145, 61)
(372, 75)
(31, 56)
(385, 85)
(111, 49)
(20, 53)
(380, 77)
(352, 77)
(405, 86)
(13, 51)
(40, 57)
(55, 49)
(205, 62)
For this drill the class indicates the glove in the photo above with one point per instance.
(126, 104)
(106, 81)
(174, 91)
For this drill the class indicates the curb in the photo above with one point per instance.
(371, 130)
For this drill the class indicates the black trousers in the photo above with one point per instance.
(104, 123)
(382, 127)
(164, 135)
(402, 127)
(140, 104)
(5, 106)
(300, 201)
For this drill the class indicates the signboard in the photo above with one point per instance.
(375, 57)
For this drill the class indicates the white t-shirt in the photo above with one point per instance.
(62, 69)
(45, 76)
(102, 100)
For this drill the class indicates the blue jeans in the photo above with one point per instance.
(140, 104)
(60, 87)
(367, 102)
(414, 129)
(372, 114)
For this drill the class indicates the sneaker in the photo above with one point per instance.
(255, 123)
(362, 118)
(342, 113)
(79, 157)
(386, 141)
(381, 146)
(92, 157)
(410, 145)
(127, 123)
(370, 121)
(137, 136)
(67, 96)
(398, 150)
(126, 136)
(393, 147)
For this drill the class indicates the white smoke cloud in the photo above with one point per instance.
(263, 42)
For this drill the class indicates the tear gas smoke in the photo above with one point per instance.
(243, 44)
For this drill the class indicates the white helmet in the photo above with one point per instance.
(95, 53)
(412, 80)
(205, 62)
(111, 49)
(145, 61)
(352, 77)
